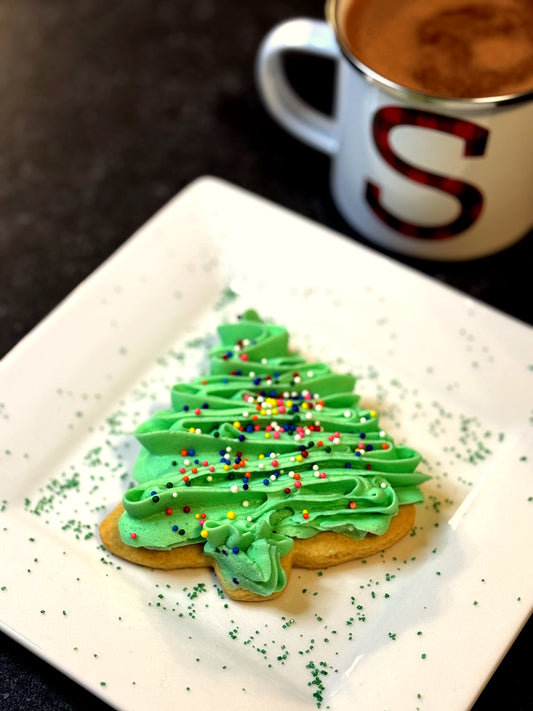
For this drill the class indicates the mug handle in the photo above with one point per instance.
(296, 116)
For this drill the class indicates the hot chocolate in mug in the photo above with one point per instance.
(431, 138)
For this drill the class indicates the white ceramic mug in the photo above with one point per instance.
(421, 175)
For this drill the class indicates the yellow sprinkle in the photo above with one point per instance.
(226, 467)
(196, 515)
(289, 403)
(231, 514)
(304, 406)
(237, 424)
(191, 429)
(267, 435)
(275, 411)
(204, 533)
(262, 412)
(299, 458)
(261, 456)
(373, 413)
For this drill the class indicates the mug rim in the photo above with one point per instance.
(403, 92)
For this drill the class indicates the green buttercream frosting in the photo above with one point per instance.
(265, 448)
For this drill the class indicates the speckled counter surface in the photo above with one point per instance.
(107, 110)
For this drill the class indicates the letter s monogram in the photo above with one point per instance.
(471, 199)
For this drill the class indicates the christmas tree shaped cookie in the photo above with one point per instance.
(265, 463)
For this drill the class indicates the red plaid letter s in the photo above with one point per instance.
(471, 199)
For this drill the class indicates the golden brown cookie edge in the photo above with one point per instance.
(321, 551)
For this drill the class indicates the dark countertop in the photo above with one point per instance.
(107, 110)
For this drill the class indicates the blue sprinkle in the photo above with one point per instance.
(369, 447)
(174, 528)
(245, 487)
(235, 581)
(205, 406)
(266, 482)
(191, 452)
(186, 408)
(256, 381)
(235, 550)
(358, 453)
(362, 435)
(241, 438)
(347, 465)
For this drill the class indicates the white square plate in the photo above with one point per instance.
(422, 625)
